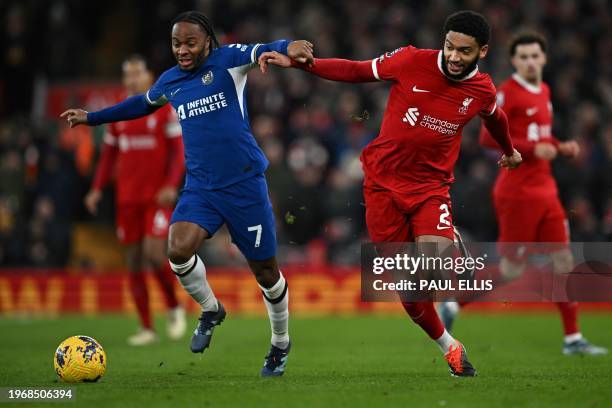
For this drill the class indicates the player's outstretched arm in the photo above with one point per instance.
(333, 69)
(131, 108)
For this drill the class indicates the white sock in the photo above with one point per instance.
(570, 338)
(445, 341)
(276, 300)
(192, 276)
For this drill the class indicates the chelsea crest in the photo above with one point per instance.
(207, 78)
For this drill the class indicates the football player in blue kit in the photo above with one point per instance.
(225, 182)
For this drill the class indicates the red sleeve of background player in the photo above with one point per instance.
(175, 164)
(108, 156)
(386, 67)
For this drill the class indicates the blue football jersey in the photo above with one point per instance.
(210, 102)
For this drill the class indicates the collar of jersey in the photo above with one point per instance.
(468, 76)
(531, 88)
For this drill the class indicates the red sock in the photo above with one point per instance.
(166, 279)
(424, 314)
(569, 316)
(141, 298)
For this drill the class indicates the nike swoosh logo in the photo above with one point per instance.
(531, 111)
(174, 92)
(415, 89)
(442, 228)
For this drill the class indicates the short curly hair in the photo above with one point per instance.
(526, 37)
(469, 23)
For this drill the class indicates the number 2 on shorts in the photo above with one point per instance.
(444, 222)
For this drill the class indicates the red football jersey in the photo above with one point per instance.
(141, 151)
(420, 135)
(529, 112)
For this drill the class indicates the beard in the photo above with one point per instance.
(466, 71)
(198, 60)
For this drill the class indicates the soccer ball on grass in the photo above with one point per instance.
(80, 359)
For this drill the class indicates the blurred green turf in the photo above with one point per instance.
(357, 361)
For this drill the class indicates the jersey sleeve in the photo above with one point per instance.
(156, 95)
(490, 101)
(389, 66)
(238, 55)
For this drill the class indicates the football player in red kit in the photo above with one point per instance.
(409, 166)
(146, 157)
(526, 199)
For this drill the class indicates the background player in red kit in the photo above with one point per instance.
(147, 157)
(409, 166)
(526, 199)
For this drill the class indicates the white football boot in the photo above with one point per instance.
(177, 324)
(143, 338)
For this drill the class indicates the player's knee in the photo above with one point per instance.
(266, 274)
(511, 270)
(180, 250)
(563, 261)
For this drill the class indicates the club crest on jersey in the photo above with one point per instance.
(208, 78)
(465, 106)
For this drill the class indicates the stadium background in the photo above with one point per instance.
(57, 54)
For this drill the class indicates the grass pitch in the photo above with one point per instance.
(352, 361)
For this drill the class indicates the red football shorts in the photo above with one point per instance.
(533, 220)
(136, 221)
(394, 217)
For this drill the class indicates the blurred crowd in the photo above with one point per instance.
(311, 130)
